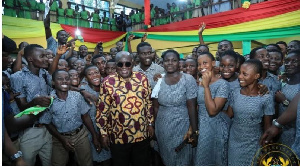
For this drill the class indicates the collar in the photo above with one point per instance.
(41, 72)
(55, 97)
(150, 68)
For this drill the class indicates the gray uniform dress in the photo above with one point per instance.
(288, 134)
(172, 120)
(213, 130)
(103, 155)
(296, 145)
(246, 128)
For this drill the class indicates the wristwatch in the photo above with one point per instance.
(286, 102)
(275, 123)
(16, 156)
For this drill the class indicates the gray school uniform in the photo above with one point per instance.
(35, 140)
(103, 155)
(272, 82)
(52, 44)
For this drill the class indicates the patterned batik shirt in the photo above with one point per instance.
(124, 108)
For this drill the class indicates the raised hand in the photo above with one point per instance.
(144, 37)
(61, 49)
(206, 78)
(201, 28)
(130, 38)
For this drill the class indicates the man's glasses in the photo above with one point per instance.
(121, 64)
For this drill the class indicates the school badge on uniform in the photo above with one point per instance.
(275, 155)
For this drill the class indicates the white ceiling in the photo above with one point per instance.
(159, 3)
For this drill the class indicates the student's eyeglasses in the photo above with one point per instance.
(121, 64)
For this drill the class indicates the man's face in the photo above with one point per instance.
(293, 46)
(224, 46)
(124, 66)
(119, 46)
(62, 81)
(145, 55)
(110, 68)
(100, 63)
(83, 51)
(6, 61)
(113, 52)
(39, 58)
(62, 37)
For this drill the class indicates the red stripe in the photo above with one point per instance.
(147, 12)
(93, 35)
(236, 16)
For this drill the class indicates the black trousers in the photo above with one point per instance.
(135, 154)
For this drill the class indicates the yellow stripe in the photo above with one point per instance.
(280, 21)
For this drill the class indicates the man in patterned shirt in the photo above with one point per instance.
(124, 114)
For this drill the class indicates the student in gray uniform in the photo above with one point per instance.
(65, 120)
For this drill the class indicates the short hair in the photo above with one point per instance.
(241, 59)
(256, 64)
(203, 46)
(19, 46)
(170, 51)
(275, 45)
(29, 49)
(296, 52)
(230, 53)
(282, 42)
(225, 40)
(96, 57)
(296, 41)
(192, 60)
(70, 58)
(112, 48)
(81, 46)
(253, 52)
(182, 59)
(56, 72)
(142, 44)
(122, 53)
(60, 32)
(111, 61)
(208, 54)
(119, 41)
(277, 51)
(88, 67)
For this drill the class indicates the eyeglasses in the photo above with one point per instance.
(121, 64)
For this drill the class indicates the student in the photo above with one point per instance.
(65, 120)
(118, 121)
(119, 46)
(33, 9)
(283, 47)
(293, 45)
(34, 84)
(182, 65)
(144, 52)
(213, 131)
(69, 12)
(113, 51)
(93, 76)
(24, 11)
(9, 6)
(100, 62)
(276, 61)
(61, 14)
(252, 114)
(53, 11)
(175, 112)
(84, 15)
(289, 89)
(110, 67)
(96, 18)
(75, 79)
(105, 21)
(266, 78)
(113, 23)
(191, 66)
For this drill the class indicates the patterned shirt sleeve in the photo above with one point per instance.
(83, 105)
(17, 85)
(148, 101)
(52, 44)
(46, 118)
(103, 107)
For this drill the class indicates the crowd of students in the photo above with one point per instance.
(130, 108)
(30, 9)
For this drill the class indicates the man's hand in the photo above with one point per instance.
(68, 145)
(47, 21)
(13, 95)
(61, 49)
(202, 28)
(43, 101)
(150, 131)
(269, 134)
(21, 52)
(96, 143)
(157, 76)
(130, 38)
(263, 89)
(144, 37)
(105, 142)
(99, 44)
